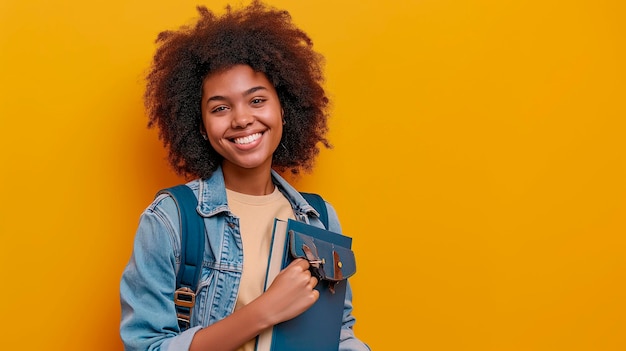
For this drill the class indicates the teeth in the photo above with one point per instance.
(247, 139)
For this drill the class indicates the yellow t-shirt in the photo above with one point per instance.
(256, 221)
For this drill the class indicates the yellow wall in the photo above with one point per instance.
(479, 163)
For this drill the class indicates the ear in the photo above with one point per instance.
(203, 131)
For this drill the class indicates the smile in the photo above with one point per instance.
(247, 139)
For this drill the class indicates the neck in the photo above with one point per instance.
(257, 181)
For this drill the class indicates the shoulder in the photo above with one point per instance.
(333, 218)
(325, 209)
(165, 203)
(158, 231)
(163, 212)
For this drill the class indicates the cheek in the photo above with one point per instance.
(216, 143)
(279, 133)
(214, 132)
(213, 126)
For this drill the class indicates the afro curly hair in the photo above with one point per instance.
(256, 35)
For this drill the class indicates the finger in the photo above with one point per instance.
(315, 294)
(302, 263)
(313, 282)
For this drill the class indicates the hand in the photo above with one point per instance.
(291, 293)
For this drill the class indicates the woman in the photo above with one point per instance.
(235, 98)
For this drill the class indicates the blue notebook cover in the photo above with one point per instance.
(319, 327)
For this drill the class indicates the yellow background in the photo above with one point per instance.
(479, 165)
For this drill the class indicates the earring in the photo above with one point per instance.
(204, 136)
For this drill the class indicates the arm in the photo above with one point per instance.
(348, 341)
(147, 288)
(291, 293)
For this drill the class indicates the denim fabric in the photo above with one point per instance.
(148, 282)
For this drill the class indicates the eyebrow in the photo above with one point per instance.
(254, 90)
(245, 93)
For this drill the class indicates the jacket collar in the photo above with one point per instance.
(212, 195)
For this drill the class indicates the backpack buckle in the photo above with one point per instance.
(184, 299)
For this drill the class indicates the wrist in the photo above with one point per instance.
(261, 313)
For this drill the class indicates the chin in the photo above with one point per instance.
(250, 165)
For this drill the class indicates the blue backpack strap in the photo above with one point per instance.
(319, 205)
(191, 251)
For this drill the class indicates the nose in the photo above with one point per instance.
(242, 118)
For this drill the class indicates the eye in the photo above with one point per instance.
(257, 101)
(219, 109)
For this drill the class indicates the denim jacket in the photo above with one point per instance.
(147, 286)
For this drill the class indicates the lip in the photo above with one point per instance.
(231, 140)
(243, 134)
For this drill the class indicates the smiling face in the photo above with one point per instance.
(242, 118)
